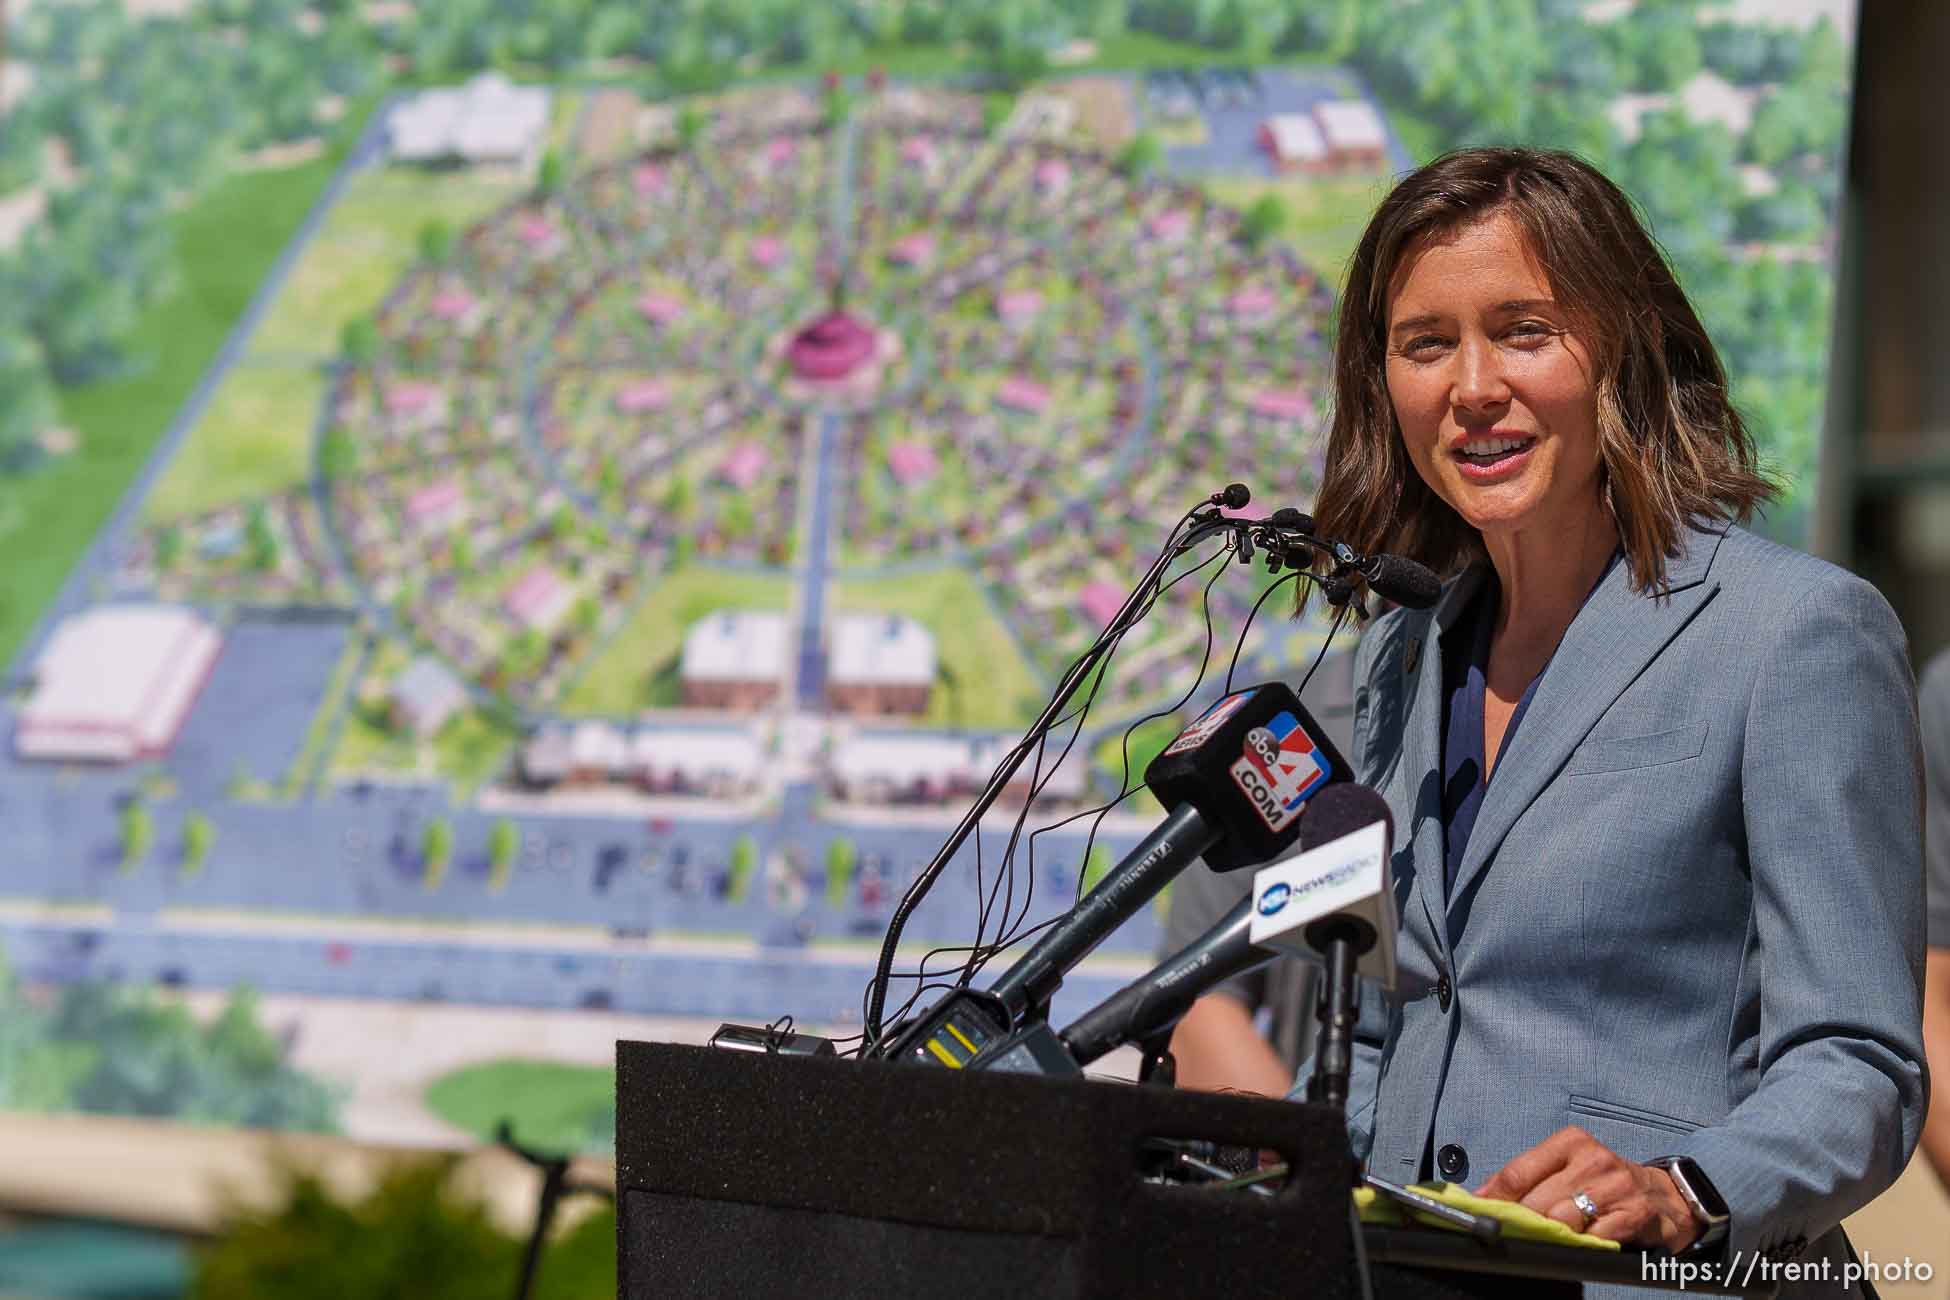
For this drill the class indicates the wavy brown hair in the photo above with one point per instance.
(1672, 449)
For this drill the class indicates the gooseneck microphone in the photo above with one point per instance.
(1235, 781)
(1156, 1001)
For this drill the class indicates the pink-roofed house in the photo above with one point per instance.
(916, 249)
(1285, 404)
(781, 151)
(919, 151)
(455, 306)
(1015, 306)
(743, 465)
(415, 404)
(1052, 176)
(911, 463)
(1020, 394)
(436, 507)
(767, 251)
(540, 601)
(643, 395)
(1100, 602)
(1253, 303)
(1170, 225)
(542, 237)
(659, 308)
(649, 180)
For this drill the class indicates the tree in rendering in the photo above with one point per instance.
(436, 851)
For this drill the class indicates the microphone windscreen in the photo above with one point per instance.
(1405, 582)
(1341, 810)
(1236, 495)
(1292, 520)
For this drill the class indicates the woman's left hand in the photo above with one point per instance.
(1636, 1203)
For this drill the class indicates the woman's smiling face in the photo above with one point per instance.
(1494, 393)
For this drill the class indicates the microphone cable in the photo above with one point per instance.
(876, 989)
(1125, 789)
(979, 952)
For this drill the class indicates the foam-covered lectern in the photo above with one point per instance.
(746, 1174)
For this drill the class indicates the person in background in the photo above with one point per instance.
(1220, 1045)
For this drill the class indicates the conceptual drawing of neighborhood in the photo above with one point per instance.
(624, 532)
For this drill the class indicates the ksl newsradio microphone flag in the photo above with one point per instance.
(1234, 781)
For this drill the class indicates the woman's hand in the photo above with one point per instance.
(1636, 1203)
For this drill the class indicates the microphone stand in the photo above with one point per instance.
(555, 1185)
(1343, 939)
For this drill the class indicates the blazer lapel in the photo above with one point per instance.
(1617, 633)
(1422, 749)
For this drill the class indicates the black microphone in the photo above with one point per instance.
(1235, 781)
(1287, 519)
(1411, 585)
(1156, 1001)
(1233, 497)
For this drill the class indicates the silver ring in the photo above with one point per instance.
(1587, 1207)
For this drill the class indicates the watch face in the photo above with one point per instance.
(1697, 1188)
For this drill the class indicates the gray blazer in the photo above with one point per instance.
(1690, 917)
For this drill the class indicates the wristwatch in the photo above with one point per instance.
(1700, 1196)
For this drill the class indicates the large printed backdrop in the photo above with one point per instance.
(528, 511)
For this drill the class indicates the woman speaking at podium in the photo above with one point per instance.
(1655, 780)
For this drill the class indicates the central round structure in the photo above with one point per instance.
(831, 349)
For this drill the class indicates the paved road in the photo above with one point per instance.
(813, 986)
(811, 676)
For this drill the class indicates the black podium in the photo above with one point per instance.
(742, 1175)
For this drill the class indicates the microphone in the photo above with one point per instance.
(1234, 496)
(1290, 520)
(1337, 903)
(1401, 580)
(1245, 937)
(1235, 781)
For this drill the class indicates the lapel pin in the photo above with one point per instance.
(1412, 656)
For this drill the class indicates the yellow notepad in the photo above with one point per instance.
(1519, 1221)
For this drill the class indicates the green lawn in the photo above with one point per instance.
(555, 1107)
(468, 750)
(253, 441)
(636, 670)
(982, 678)
(226, 242)
(367, 241)
(1325, 214)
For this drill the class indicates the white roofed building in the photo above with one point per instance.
(879, 664)
(1357, 138)
(716, 764)
(1294, 142)
(489, 120)
(115, 684)
(425, 697)
(692, 761)
(734, 659)
(884, 768)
